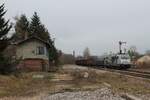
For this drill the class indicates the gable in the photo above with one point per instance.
(34, 39)
(29, 49)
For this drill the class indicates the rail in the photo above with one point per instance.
(134, 73)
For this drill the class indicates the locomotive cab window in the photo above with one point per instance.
(125, 57)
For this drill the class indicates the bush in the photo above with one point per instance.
(86, 76)
(7, 65)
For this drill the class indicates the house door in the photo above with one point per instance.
(43, 66)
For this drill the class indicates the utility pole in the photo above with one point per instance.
(73, 53)
(120, 44)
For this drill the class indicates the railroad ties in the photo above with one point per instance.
(139, 74)
(133, 73)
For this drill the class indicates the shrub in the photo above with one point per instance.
(86, 76)
(7, 65)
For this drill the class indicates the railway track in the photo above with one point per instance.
(135, 73)
(144, 72)
(132, 73)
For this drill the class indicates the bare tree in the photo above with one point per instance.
(133, 52)
(147, 52)
(86, 52)
(133, 48)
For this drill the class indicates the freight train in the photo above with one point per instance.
(91, 61)
(115, 61)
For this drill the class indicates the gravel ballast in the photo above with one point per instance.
(100, 94)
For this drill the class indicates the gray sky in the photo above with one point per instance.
(97, 24)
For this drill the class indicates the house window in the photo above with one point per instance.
(40, 50)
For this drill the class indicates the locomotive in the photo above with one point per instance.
(117, 61)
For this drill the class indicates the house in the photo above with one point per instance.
(32, 53)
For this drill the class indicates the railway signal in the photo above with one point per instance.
(120, 45)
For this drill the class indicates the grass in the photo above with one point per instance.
(121, 83)
(24, 85)
(27, 85)
(118, 83)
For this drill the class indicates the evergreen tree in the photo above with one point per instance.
(38, 29)
(35, 25)
(53, 54)
(5, 63)
(4, 29)
(22, 27)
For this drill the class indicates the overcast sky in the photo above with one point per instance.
(97, 24)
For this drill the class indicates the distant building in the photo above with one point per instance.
(33, 53)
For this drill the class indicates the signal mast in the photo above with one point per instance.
(120, 46)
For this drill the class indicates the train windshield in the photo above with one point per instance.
(125, 57)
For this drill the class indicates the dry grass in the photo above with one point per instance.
(118, 83)
(69, 80)
(121, 83)
(37, 97)
(85, 76)
(25, 85)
